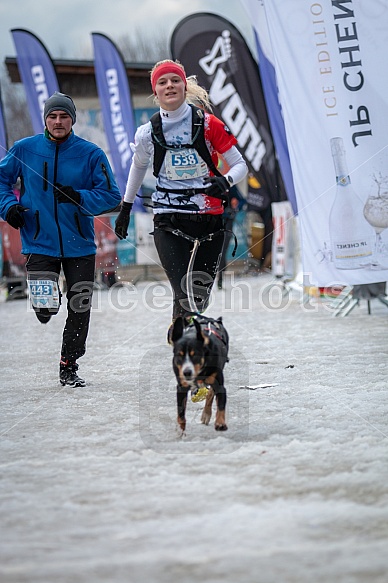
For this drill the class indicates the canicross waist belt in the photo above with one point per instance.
(184, 191)
(196, 218)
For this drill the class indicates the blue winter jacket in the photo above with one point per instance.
(66, 229)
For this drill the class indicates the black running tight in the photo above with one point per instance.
(174, 252)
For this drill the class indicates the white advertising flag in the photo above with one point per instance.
(330, 60)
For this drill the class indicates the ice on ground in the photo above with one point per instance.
(97, 485)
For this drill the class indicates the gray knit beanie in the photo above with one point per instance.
(59, 102)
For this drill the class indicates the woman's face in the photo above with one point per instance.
(170, 91)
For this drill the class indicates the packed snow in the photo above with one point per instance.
(99, 486)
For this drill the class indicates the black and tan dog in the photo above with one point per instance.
(200, 354)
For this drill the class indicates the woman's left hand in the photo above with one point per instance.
(219, 186)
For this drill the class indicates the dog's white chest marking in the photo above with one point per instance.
(188, 369)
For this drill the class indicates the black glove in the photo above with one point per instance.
(218, 188)
(122, 221)
(15, 216)
(66, 194)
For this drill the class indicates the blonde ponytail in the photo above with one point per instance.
(197, 95)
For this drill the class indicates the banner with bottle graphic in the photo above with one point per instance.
(330, 59)
(116, 105)
(37, 73)
(211, 48)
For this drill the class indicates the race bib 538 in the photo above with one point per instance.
(184, 164)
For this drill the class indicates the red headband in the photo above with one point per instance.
(165, 68)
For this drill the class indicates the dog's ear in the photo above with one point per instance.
(201, 337)
(177, 329)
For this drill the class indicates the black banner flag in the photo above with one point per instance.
(211, 48)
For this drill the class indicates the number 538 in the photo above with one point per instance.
(181, 160)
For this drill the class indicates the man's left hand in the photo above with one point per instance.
(66, 194)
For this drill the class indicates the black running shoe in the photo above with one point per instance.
(68, 374)
(43, 318)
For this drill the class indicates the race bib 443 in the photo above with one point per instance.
(44, 293)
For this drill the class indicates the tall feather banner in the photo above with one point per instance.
(3, 132)
(37, 73)
(256, 13)
(116, 104)
(213, 49)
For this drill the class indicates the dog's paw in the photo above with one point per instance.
(222, 427)
(205, 418)
(180, 434)
(220, 421)
(182, 424)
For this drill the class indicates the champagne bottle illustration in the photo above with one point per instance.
(351, 236)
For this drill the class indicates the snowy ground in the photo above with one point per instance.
(97, 486)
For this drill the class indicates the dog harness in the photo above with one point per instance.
(212, 326)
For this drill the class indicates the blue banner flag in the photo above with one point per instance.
(37, 73)
(256, 13)
(116, 105)
(3, 132)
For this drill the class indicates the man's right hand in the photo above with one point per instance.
(122, 221)
(15, 216)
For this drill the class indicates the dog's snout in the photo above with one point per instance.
(187, 373)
